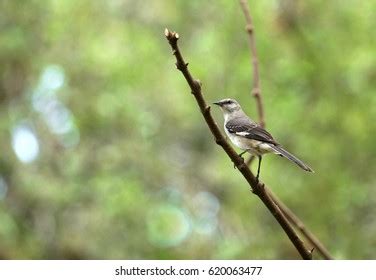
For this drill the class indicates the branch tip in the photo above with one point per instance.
(166, 32)
(171, 36)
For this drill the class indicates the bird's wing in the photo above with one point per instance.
(245, 128)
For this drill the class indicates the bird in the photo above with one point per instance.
(249, 136)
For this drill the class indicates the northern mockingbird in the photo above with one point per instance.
(250, 137)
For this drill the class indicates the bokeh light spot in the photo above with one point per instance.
(206, 208)
(168, 226)
(52, 77)
(25, 143)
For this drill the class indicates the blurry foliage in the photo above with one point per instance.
(104, 153)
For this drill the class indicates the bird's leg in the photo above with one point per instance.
(242, 153)
(258, 168)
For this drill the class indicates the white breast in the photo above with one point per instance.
(254, 147)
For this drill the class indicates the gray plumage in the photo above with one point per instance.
(291, 157)
(250, 129)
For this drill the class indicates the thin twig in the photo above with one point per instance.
(258, 188)
(292, 218)
(256, 90)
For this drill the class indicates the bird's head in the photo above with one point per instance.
(228, 105)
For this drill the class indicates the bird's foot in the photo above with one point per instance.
(242, 153)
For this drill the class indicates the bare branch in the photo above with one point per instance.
(258, 188)
(256, 91)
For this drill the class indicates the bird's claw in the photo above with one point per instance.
(242, 153)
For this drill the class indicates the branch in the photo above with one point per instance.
(258, 188)
(292, 218)
(256, 91)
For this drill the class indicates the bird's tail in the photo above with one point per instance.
(279, 150)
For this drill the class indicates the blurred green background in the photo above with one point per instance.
(104, 153)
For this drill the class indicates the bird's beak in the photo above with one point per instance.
(217, 103)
